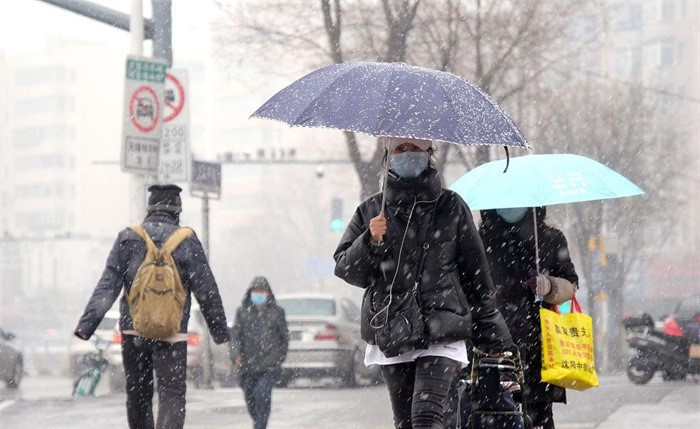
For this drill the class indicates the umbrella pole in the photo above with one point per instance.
(385, 175)
(538, 298)
(537, 245)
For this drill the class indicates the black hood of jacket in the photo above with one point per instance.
(400, 192)
(258, 282)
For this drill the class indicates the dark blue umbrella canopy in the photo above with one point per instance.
(394, 100)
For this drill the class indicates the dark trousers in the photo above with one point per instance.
(169, 360)
(418, 391)
(541, 414)
(257, 389)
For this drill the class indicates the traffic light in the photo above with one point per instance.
(337, 222)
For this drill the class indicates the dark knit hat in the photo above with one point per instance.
(164, 198)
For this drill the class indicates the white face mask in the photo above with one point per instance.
(512, 215)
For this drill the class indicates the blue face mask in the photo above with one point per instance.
(409, 165)
(258, 298)
(513, 215)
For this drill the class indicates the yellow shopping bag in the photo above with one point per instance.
(567, 349)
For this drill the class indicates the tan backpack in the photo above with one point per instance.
(157, 297)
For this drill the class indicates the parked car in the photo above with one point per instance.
(11, 360)
(324, 340)
(200, 345)
(107, 329)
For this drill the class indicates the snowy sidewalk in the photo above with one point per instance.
(680, 409)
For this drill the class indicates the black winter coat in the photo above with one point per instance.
(455, 289)
(127, 254)
(512, 261)
(260, 335)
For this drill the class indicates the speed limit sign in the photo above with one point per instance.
(173, 162)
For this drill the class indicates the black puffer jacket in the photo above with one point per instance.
(123, 262)
(510, 250)
(455, 289)
(260, 336)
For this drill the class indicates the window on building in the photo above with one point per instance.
(666, 58)
(628, 17)
(35, 191)
(39, 76)
(41, 162)
(680, 51)
(623, 62)
(584, 29)
(667, 11)
(636, 62)
(32, 136)
(40, 220)
(43, 105)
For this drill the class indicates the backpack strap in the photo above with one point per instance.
(175, 239)
(141, 232)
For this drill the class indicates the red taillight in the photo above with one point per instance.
(671, 327)
(329, 333)
(117, 337)
(193, 339)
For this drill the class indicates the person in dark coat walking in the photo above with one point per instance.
(509, 239)
(382, 252)
(259, 345)
(141, 356)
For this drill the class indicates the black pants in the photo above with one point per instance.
(541, 414)
(257, 389)
(169, 360)
(418, 390)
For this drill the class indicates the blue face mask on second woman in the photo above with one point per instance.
(512, 215)
(409, 165)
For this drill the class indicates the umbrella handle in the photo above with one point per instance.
(538, 298)
(385, 175)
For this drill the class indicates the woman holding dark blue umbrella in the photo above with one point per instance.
(415, 250)
(521, 275)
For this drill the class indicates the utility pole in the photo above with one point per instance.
(137, 182)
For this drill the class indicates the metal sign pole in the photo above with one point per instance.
(209, 371)
(205, 224)
(137, 182)
(204, 181)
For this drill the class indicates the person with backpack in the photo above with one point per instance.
(426, 280)
(259, 344)
(157, 265)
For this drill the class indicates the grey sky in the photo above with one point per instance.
(25, 24)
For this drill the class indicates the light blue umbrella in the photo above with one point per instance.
(541, 180)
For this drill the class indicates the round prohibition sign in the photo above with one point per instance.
(144, 109)
(172, 101)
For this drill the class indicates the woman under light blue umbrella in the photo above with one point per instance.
(527, 258)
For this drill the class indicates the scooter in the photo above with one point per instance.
(657, 351)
